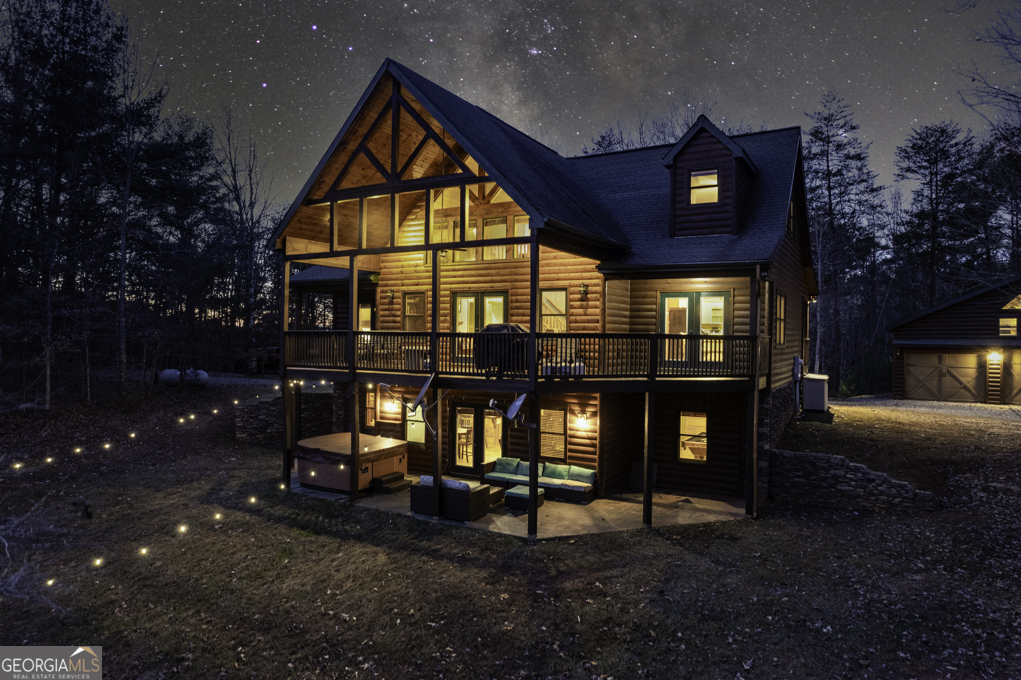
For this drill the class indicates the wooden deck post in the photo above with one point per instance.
(288, 460)
(533, 316)
(434, 324)
(438, 453)
(751, 475)
(647, 455)
(289, 432)
(352, 347)
(356, 426)
(533, 466)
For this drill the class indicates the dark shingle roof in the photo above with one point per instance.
(531, 173)
(634, 187)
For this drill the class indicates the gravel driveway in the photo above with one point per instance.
(1007, 413)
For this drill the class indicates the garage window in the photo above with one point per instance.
(1008, 327)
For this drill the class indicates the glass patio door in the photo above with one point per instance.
(677, 318)
(478, 437)
(472, 313)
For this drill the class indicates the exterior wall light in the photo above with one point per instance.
(390, 296)
(583, 291)
(582, 421)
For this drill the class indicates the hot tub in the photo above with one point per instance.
(325, 462)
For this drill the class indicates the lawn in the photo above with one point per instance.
(289, 586)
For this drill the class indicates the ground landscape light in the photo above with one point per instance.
(78, 449)
(217, 516)
(252, 499)
(49, 460)
(143, 551)
(183, 528)
(132, 435)
(215, 411)
(235, 401)
(17, 466)
(51, 581)
(98, 561)
(106, 446)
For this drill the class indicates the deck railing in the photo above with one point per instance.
(505, 355)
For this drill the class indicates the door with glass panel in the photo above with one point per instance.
(479, 437)
(472, 313)
(677, 320)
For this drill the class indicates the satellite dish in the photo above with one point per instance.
(421, 395)
(516, 406)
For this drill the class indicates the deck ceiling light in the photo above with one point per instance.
(583, 291)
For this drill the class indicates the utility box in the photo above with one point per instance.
(816, 392)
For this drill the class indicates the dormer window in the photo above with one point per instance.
(705, 187)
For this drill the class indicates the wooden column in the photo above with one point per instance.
(533, 460)
(751, 475)
(289, 434)
(533, 315)
(356, 451)
(648, 460)
(352, 304)
(288, 460)
(435, 309)
(438, 451)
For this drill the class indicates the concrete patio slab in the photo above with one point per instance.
(615, 513)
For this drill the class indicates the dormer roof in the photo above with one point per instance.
(702, 123)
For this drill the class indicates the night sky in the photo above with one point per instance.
(566, 67)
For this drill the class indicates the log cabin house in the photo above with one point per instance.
(965, 350)
(661, 293)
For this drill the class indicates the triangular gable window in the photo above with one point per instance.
(1014, 304)
(430, 161)
(360, 173)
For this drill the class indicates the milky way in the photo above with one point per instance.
(562, 70)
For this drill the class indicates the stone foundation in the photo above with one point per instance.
(263, 420)
(834, 482)
(775, 412)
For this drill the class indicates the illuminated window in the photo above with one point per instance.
(553, 311)
(692, 436)
(370, 409)
(705, 187)
(414, 312)
(780, 320)
(553, 426)
(495, 227)
(1008, 327)
(365, 317)
(521, 229)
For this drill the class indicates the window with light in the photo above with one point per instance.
(705, 187)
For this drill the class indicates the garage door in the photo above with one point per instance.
(1010, 392)
(944, 377)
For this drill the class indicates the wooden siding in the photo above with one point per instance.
(787, 275)
(582, 444)
(971, 319)
(722, 473)
(408, 273)
(621, 433)
(704, 152)
(618, 306)
(645, 293)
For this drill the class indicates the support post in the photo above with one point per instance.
(533, 317)
(647, 457)
(356, 426)
(352, 306)
(434, 323)
(533, 465)
(289, 431)
(751, 475)
(438, 452)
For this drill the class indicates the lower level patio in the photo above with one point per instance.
(618, 512)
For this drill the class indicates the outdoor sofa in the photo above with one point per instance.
(571, 483)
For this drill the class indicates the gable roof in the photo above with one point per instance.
(703, 123)
(964, 298)
(536, 177)
(634, 187)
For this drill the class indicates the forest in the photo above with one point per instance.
(135, 234)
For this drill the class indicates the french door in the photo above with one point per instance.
(703, 314)
(479, 437)
(472, 313)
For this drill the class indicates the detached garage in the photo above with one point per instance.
(965, 350)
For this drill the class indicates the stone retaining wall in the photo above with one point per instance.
(833, 481)
(263, 420)
(775, 412)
